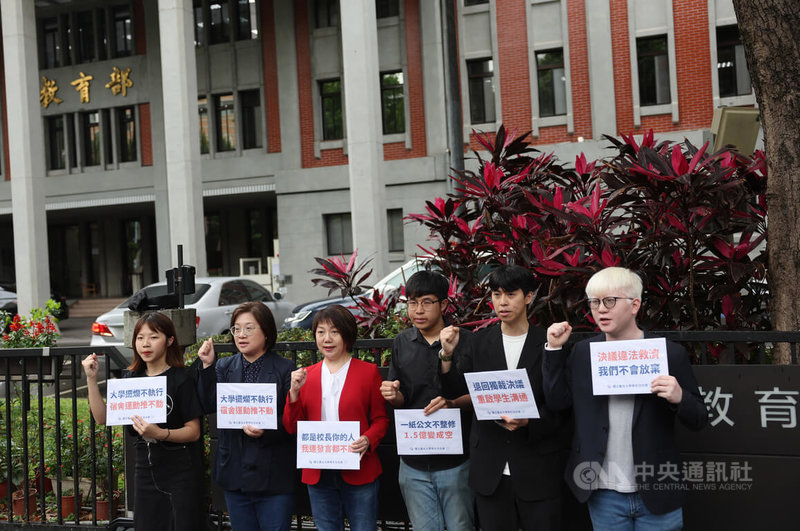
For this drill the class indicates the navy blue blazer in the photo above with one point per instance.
(263, 465)
(568, 383)
(535, 453)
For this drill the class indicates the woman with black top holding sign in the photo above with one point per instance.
(255, 467)
(169, 474)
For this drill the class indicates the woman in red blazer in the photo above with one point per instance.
(341, 388)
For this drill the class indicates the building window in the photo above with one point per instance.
(106, 137)
(393, 110)
(481, 91)
(199, 24)
(126, 121)
(468, 3)
(394, 224)
(339, 233)
(387, 8)
(250, 102)
(90, 126)
(734, 79)
(552, 82)
(653, 66)
(226, 122)
(57, 154)
(219, 22)
(326, 13)
(51, 52)
(202, 109)
(84, 37)
(330, 92)
(123, 32)
(246, 28)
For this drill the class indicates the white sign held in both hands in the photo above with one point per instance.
(326, 445)
(145, 397)
(627, 367)
(436, 434)
(496, 393)
(243, 404)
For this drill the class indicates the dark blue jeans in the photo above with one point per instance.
(333, 499)
(262, 513)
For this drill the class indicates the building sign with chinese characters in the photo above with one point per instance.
(752, 409)
(87, 86)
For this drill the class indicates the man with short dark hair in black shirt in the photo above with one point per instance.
(435, 487)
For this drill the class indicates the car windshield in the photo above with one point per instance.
(154, 292)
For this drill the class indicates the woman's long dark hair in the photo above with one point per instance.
(157, 322)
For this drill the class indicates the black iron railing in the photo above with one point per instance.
(59, 439)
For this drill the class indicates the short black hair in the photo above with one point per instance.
(341, 319)
(427, 283)
(511, 278)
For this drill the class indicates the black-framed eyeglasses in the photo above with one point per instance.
(246, 331)
(608, 302)
(426, 304)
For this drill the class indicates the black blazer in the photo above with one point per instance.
(535, 453)
(265, 465)
(568, 383)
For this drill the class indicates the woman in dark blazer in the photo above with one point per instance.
(256, 468)
(341, 388)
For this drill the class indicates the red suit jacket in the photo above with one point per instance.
(360, 400)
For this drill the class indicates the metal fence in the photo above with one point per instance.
(59, 439)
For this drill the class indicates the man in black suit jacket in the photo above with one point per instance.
(624, 460)
(515, 464)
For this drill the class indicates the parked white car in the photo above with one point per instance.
(214, 300)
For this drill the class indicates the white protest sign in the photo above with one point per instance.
(146, 397)
(322, 444)
(496, 393)
(242, 404)
(627, 367)
(436, 434)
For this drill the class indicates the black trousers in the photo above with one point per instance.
(504, 511)
(169, 493)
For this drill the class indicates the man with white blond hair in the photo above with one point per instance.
(624, 461)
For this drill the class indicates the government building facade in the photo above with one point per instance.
(251, 129)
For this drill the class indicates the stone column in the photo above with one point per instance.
(601, 68)
(181, 130)
(25, 153)
(364, 131)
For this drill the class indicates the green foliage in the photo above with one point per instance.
(37, 330)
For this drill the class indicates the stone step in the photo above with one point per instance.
(93, 307)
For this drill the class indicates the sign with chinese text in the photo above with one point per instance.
(435, 434)
(146, 397)
(496, 393)
(627, 367)
(242, 404)
(326, 445)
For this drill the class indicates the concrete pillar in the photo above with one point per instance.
(26, 153)
(364, 132)
(288, 98)
(601, 67)
(181, 126)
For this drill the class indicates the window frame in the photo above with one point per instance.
(338, 125)
(386, 89)
(345, 230)
(473, 78)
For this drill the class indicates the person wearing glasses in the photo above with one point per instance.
(515, 463)
(256, 468)
(434, 487)
(623, 444)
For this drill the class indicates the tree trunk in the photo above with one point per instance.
(770, 31)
